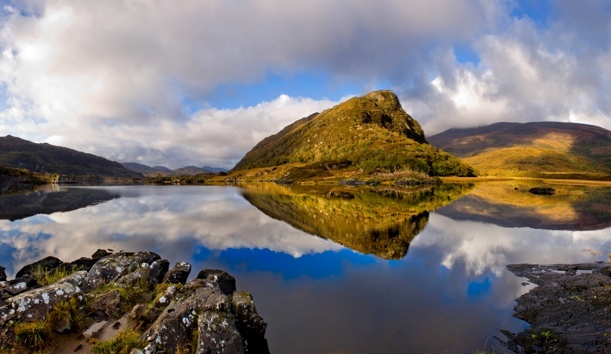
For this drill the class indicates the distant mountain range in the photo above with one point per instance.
(363, 135)
(164, 171)
(46, 158)
(536, 149)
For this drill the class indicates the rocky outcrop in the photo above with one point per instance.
(167, 312)
(568, 310)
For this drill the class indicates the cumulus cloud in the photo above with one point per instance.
(112, 77)
(132, 80)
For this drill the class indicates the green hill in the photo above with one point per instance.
(536, 149)
(369, 134)
(47, 158)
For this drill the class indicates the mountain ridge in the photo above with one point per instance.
(533, 149)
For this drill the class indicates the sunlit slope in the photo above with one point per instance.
(380, 221)
(538, 149)
(369, 134)
(510, 204)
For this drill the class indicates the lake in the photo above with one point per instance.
(334, 269)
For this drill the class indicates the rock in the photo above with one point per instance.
(219, 334)
(158, 270)
(112, 267)
(249, 323)
(2, 274)
(542, 190)
(225, 281)
(81, 264)
(179, 274)
(100, 253)
(106, 304)
(47, 264)
(20, 285)
(568, 310)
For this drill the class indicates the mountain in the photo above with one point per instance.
(47, 158)
(164, 171)
(536, 149)
(370, 134)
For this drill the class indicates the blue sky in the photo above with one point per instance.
(199, 83)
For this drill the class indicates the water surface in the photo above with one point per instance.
(416, 280)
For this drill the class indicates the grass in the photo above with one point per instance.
(122, 343)
(46, 277)
(33, 335)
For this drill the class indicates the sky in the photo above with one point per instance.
(200, 82)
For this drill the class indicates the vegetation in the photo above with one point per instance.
(369, 134)
(539, 150)
(122, 343)
(32, 335)
(46, 277)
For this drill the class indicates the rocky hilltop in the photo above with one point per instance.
(368, 134)
(535, 149)
(51, 159)
(126, 303)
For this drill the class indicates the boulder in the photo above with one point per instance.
(225, 281)
(2, 274)
(179, 274)
(47, 264)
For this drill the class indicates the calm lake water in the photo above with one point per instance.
(386, 273)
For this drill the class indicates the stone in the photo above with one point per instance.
(179, 274)
(158, 270)
(47, 263)
(225, 281)
(217, 333)
(112, 267)
(251, 326)
(2, 274)
(100, 253)
(107, 304)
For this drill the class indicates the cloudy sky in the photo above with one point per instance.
(199, 82)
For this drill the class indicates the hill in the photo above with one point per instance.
(164, 171)
(536, 149)
(47, 158)
(369, 134)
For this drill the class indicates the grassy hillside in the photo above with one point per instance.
(366, 134)
(46, 158)
(537, 149)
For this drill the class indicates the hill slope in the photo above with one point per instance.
(370, 134)
(46, 158)
(536, 149)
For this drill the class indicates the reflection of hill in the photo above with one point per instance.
(509, 204)
(380, 221)
(50, 200)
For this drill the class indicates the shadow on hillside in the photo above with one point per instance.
(373, 220)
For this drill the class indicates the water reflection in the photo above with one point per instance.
(372, 220)
(509, 204)
(449, 294)
(48, 200)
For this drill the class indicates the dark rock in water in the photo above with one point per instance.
(250, 324)
(47, 263)
(352, 182)
(340, 194)
(542, 190)
(100, 253)
(178, 274)
(225, 281)
(568, 311)
(2, 274)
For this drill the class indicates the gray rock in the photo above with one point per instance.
(106, 304)
(225, 281)
(2, 274)
(113, 267)
(179, 274)
(158, 270)
(218, 334)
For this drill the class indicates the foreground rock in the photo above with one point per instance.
(128, 302)
(569, 311)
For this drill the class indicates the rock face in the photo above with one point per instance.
(568, 311)
(204, 315)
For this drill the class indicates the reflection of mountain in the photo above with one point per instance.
(50, 200)
(509, 204)
(380, 221)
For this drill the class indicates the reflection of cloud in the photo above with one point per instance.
(482, 247)
(171, 221)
